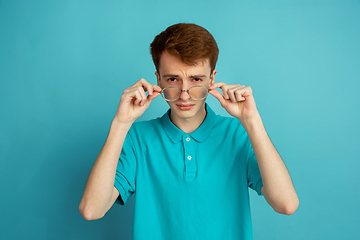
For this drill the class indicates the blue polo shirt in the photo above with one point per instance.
(189, 186)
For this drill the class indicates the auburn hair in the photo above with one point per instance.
(186, 41)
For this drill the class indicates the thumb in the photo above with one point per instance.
(150, 98)
(218, 96)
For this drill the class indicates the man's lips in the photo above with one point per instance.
(185, 106)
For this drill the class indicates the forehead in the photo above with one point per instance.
(169, 64)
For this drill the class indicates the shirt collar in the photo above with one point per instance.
(200, 134)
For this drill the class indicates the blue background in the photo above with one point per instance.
(64, 65)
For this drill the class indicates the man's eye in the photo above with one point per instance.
(197, 79)
(172, 79)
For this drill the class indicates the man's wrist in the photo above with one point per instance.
(120, 126)
(253, 125)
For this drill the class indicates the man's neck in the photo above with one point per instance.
(188, 125)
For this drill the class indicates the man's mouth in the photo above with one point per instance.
(185, 106)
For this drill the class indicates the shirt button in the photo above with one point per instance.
(189, 157)
(187, 139)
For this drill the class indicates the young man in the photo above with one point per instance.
(191, 168)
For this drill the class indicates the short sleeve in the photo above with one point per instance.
(126, 171)
(253, 172)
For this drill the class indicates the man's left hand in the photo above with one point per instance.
(237, 100)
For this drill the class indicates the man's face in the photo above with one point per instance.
(175, 73)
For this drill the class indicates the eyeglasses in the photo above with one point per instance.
(173, 93)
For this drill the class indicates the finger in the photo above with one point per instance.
(238, 95)
(157, 88)
(143, 97)
(231, 93)
(150, 98)
(152, 88)
(247, 91)
(154, 93)
(217, 85)
(145, 85)
(218, 96)
(244, 91)
(141, 82)
(228, 91)
(225, 90)
(223, 86)
(129, 95)
(136, 97)
(137, 94)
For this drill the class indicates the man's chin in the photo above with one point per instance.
(186, 111)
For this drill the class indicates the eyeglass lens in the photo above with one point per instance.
(196, 93)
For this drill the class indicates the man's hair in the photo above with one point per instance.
(186, 41)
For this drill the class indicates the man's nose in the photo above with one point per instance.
(184, 95)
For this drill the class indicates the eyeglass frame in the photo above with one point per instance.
(162, 93)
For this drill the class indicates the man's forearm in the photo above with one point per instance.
(98, 195)
(277, 188)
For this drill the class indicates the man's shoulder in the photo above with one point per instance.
(229, 130)
(145, 128)
(227, 121)
(146, 124)
(229, 126)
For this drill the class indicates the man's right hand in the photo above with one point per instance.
(134, 101)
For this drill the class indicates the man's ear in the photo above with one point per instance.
(158, 78)
(212, 77)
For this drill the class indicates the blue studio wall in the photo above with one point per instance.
(64, 65)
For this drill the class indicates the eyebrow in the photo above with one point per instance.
(192, 76)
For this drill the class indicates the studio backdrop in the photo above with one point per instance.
(65, 64)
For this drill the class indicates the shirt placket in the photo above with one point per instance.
(189, 157)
